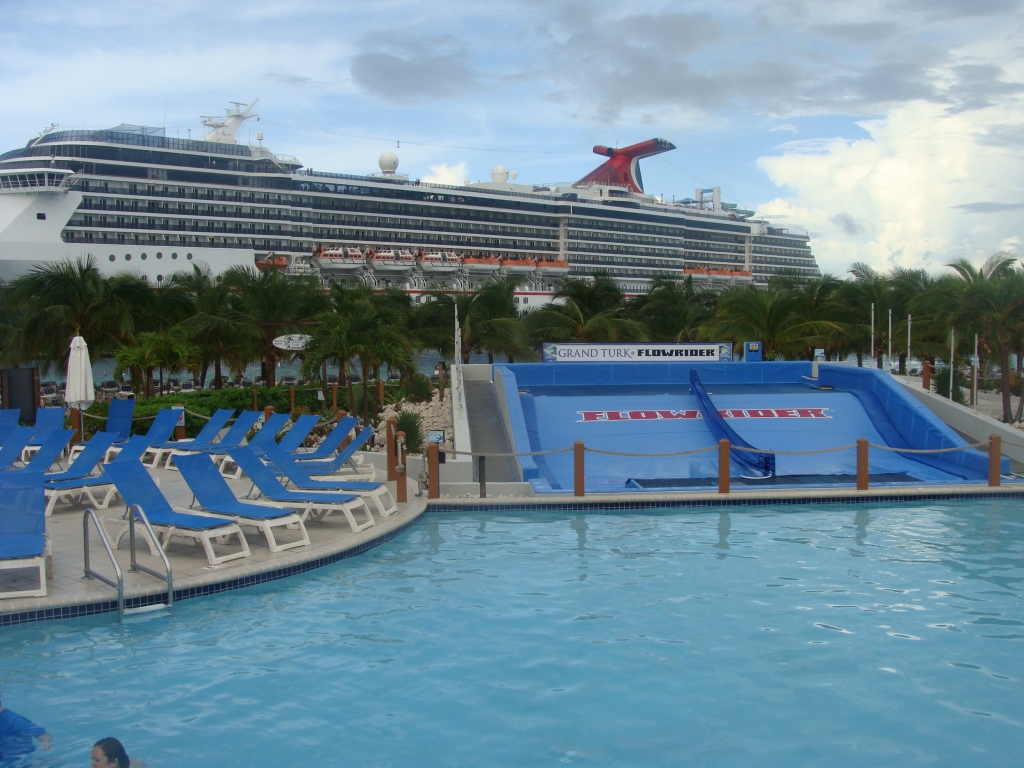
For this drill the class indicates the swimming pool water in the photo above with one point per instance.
(775, 636)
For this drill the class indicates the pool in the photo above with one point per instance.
(777, 636)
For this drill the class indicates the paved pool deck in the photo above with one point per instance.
(70, 596)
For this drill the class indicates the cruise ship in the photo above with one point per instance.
(136, 199)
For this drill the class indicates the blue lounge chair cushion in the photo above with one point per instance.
(270, 428)
(137, 487)
(50, 418)
(15, 443)
(333, 465)
(213, 492)
(271, 487)
(86, 461)
(300, 476)
(243, 424)
(119, 418)
(22, 515)
(292, 440)
(209, 431)
(49, 451)
(333, 440)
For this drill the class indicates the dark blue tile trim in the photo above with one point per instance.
(495, 505)
(108, 606)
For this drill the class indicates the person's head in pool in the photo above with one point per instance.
(109, 753)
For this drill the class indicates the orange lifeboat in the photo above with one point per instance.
(273, 262)
(480, 265)
(552, 268)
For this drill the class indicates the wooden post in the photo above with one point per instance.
(267, 411)
(179, 431)
(402, 491)
(433, 472)
(440, 381)
(578, 476)
(334, 396)
(926, 375)
(724, 461)
(255, 404)
(380, 393)
(995, 456)
(481, 474)
(862, 463)
(76, 424)
(974, 381)
(291, 397)
(338, 417)
(392, 450)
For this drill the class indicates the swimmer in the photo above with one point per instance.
(109, 753)
(16, 733)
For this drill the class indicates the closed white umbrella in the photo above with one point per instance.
(80, 391)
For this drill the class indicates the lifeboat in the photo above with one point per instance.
(518, 265)
(339, 257)
(439, 262)
(273, 262)
(392, 261)
(480, 265)
(553, 268)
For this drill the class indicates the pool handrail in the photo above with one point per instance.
(168, 575)
(88, 572)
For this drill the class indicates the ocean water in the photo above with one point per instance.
(769, 636)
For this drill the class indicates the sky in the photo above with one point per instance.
(892, 132)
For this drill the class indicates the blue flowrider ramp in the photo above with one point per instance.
(759, 461)
(643, 409)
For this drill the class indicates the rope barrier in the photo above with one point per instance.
(513, 455)
(650, 455)
(104, 418)
(926, 450)
(198, 415)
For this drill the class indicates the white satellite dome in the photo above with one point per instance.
(499, 174)
(388, 162)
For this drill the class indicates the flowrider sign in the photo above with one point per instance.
(710, 352)
(727, 413)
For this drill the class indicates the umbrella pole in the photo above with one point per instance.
(76, 424)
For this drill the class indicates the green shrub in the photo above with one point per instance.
(418, 389)
(410, 423)
(940, 382)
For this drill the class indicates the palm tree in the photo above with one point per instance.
(140, 359)
(330, 343)
(991, 301)
(770, 315)
(215, 326)
(274, 303)
(68, 298)
(487, 318)
(589, 311)
(674, 310)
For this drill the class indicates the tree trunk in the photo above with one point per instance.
(903, 363)
(1004, 365)
(364, 375)
(878, 360)
(204, 364)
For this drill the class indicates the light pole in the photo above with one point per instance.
(871, 352)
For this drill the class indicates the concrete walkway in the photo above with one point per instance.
(487, 432)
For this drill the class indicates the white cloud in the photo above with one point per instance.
(924, 188)
(447, 174)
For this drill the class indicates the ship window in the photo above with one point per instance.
(159, 278)
(159, 255)
(188, 256)
(144, 257)
(41, 216)
(127, 257)
(174, 255)
(111, 257)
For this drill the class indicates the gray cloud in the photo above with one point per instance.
(1006, 136)
(956, 9)
(989, 207)
(294, 81)
(866, 32)
(849, 224)
(415, 78)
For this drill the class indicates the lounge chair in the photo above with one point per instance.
(23, 542)
(10, 416)
(72, 489)
(300, 430)
(118, 423)
(332, 442)
(48, 452)
(47, 419)
(319, 505)
(159, 431)
(207, 434)
(266, 433)
(234, 436)
(14, 444)
(136, 486)
(344, 461)
(303, 478)
(217, 498)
